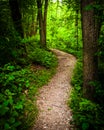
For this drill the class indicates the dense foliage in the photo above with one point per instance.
(25, 65)
(21, 71)
(18, 89)
(64, 33)
(13, 81)
(86, 114)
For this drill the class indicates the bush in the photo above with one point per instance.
(86, 114)
(77, 75)
(18, 90)
(43, 57)
(13, 83)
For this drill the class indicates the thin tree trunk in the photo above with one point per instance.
(41, 28)
(45, 19)
(42, 21)
(76, 26)
(90, 60)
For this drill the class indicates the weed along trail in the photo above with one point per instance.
(54, 114)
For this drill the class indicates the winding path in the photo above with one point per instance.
(52, 101)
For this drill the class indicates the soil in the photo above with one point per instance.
(54, 113)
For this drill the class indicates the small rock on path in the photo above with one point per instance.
(54, 114)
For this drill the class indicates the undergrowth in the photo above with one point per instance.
(43, 57)
(70, 49)
(87, 115)
(19, 87)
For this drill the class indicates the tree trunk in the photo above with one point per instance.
(45, 18)
(42, 21)
(17, 21)
(76, 26)
(16, 16)
(90, 37)
(41, 28)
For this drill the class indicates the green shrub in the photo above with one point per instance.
(87, 115)
(18, 90)
(77, 75)
(13, 83)
(43, 57)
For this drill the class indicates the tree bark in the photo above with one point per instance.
(16, 16)
(42, 21)
(17, 21)
(76, 26)
(45, 19)
(90, 39)
(41, 30)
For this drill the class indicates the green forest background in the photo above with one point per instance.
(29, 29)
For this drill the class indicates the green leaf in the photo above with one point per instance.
(5, 103)
(15, 113)
(85, 126)
(19, 106)
(88, 7)
(11, 68)
(3, 110)
(27, 83)
(17, 124)
(6, 126)
(12, 120)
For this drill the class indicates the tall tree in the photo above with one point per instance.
(42, 17)
(76, 26)
(90, 46)
(28, 10)
(16, 16)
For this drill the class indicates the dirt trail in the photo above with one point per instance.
(52, 101)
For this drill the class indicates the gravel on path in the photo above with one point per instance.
(54, 114)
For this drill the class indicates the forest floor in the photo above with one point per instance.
(54, 113)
